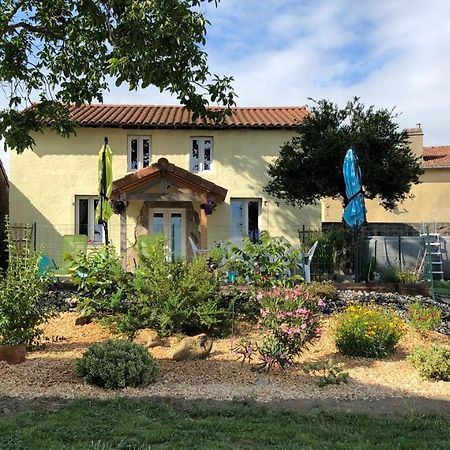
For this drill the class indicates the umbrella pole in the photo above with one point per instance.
(103, 192)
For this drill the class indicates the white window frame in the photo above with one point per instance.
(201, 158)
(245, 202)
(91, 218)
(140, 152)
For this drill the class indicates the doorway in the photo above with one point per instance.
(171, 223)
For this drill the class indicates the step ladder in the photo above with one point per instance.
(435, 252)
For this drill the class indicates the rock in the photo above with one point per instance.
(148, 338)
(83, 320)
(193, 347)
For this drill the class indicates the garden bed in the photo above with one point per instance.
(50, 372)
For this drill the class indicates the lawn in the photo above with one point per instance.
(143, 424)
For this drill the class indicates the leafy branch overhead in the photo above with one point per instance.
(309, 167)
(65, 51)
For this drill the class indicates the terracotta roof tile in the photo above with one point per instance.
(148, 116)
(435, 157)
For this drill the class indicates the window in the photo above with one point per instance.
(138, 152)
(201, 154)
(245, 218)
(85, 219)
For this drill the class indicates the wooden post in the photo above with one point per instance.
(203, 226)
(123, 235)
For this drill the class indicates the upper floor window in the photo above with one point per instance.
(201, 154)
(139, 152)
(85, 218)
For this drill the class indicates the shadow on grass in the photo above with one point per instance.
(182, 424)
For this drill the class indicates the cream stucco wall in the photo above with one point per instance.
(44, 182)
(429, 202)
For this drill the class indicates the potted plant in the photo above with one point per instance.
(22, 303)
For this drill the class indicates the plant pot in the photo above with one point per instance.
(13, 354)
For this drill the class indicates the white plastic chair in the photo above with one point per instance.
(306, 262)
(195, 250)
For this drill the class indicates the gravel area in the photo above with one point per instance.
(50, 372)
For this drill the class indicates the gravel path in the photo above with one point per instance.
(49, 373)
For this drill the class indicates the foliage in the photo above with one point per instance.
(23, 307)
(334, 251)
(102, 285)
(62, 52)
(271, 261)
(432, 362)
(389, 167)
(407, 276)
(329, 372)
(424, 318)
(368, 331)
(172, 296)
(324, 290)
(129, 423)
(117, 364)
(289, 320)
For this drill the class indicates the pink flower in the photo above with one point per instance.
(320, 303)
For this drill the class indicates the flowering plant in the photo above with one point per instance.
(424, 318)
(289, 319)
(368, 331)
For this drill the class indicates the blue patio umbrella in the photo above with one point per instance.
(355, 211)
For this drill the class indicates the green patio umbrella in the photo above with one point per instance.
(104, 210)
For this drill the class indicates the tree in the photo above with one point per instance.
(310, 165)
(64, 51)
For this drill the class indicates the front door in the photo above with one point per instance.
(172, 224)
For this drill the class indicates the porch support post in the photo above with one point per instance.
(123, 236)
(203, 226)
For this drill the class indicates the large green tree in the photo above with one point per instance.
(56, 52)
(310, 165)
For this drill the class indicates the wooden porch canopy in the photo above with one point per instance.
(167, 174)
(188, 186)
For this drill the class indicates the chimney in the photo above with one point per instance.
(416, 140)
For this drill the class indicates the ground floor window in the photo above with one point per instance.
(245, 217)
(85, 222)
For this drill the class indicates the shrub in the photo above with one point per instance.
(117, 364)
(100, 280)
(334, 251)
(23, 306)
(328, 372)
(424, 318)
(368, 331)
(289, 320)
(172, 296)
(324, 290)
(263, 264)
(407, 276)
(433, 362)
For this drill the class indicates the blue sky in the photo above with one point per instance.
(390, 53)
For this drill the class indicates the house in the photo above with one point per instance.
(428, 202)
(394, 238)
(4, 211)
(198, 183)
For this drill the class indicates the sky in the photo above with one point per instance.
(390, 53)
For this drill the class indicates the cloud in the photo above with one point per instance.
(388, 53)
(280, 52)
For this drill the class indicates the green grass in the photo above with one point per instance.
(442, 287)
(133, 424)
